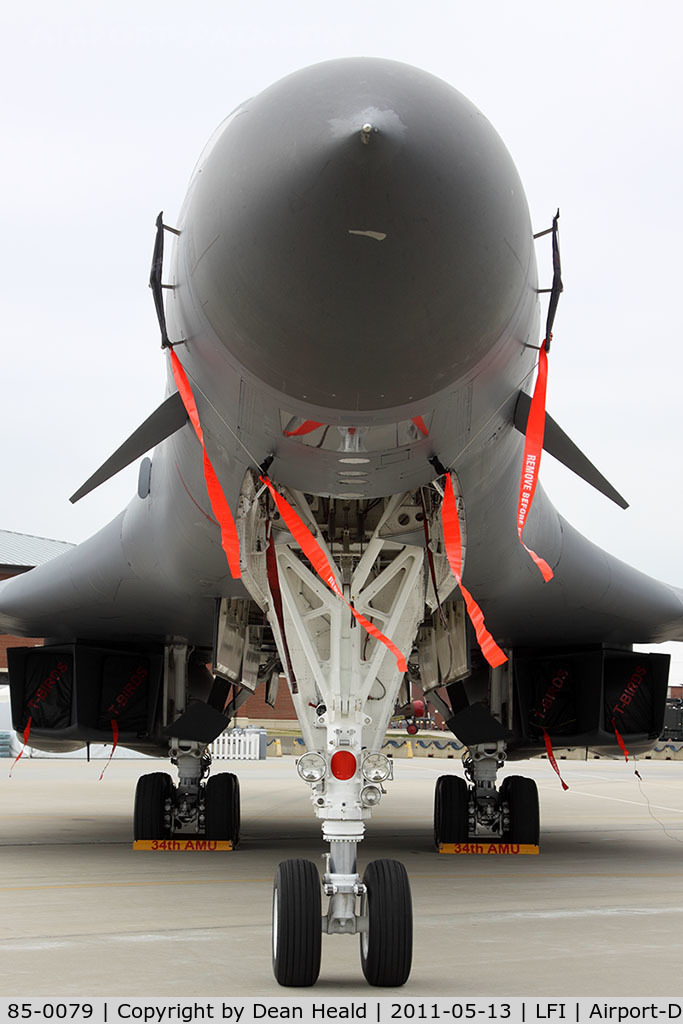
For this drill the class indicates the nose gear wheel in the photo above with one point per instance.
(386, 947)
(297, 916)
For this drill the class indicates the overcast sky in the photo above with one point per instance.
(107, 107)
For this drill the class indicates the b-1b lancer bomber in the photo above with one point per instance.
(343, 491)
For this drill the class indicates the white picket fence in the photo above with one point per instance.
(240, 745)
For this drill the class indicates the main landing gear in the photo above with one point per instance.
(463, 813)
(198, 805)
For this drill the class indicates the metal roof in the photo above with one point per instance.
(21, 549)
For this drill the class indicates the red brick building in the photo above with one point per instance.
(256, 709)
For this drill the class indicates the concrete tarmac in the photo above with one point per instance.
(598, 912)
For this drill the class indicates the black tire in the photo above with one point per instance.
(451, 810)
(222, 808)
(386, 948)
(149, 814)
(297, 923)
(521, 795)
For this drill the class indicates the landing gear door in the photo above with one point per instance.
(231, 628)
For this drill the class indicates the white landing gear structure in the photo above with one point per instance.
(344, 685)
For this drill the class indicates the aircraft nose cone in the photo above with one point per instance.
(357, 235)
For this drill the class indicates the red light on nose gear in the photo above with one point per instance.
(343, 764)
(418, 708)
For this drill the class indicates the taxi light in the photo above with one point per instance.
(370, 795)
(376, 767)
(311, 767)
(343, 764)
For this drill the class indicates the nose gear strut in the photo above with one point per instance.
(344, 679)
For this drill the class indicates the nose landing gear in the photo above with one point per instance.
(384, 922)
(345, 683)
